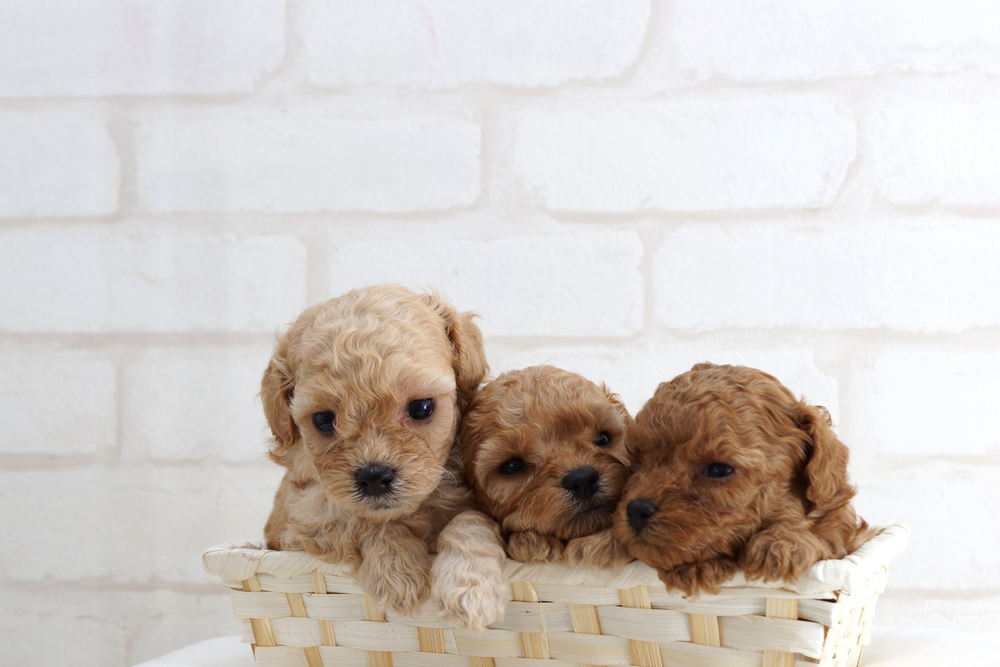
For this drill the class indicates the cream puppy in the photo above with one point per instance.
(363, 396)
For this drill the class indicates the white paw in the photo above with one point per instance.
(469, 603)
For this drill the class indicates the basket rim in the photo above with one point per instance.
(241, 560)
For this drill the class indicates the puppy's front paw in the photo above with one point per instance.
(467, 576)
(705, 575)
(396, 575)
(469, 600)
(530, 547)
(598, 550)
(779, 553)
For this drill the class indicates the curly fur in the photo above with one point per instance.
(786, 505)
(551, 419)
(467, 575)
(364, 356)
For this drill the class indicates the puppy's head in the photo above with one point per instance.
(363, 394)
(544, 450)
(718, 453)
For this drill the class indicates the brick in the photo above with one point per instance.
(56, 402)
(128, 524)
(907, 401)
(809, 41)
(934, 152)
(195, 404)
(59, 48)
(949, 508)
(107, 628)
(933, 275)
(306, 162)
(576, 283)
(97, 281)
(56, 164)
(635, 370)
(790, 153)
(450, 43)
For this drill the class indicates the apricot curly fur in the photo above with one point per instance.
(551, 419)
(786, 504)
(365, 356)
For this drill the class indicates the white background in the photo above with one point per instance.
(619, 188)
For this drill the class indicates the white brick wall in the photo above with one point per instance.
(574, 283)
(56, 402)
(56, 165)
(938, 152)
(94, 280)
(184, 404)
(128, 524)
(98, 628)
(824, 39)
(623, 189)
(939, 499)
(450, 43)
(61, 48)
(303, 162)
(944, 394)
(923, 276)
(776, 153)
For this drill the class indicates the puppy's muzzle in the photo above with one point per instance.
(583, 483)
(639, 513)
(372, 481)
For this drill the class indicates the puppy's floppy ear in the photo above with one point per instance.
(276, 394)
(469, 358)
(826, 465)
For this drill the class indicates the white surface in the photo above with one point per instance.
(890, 647)
(907, 647)
(219, 652)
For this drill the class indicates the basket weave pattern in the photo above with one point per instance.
(298, 611)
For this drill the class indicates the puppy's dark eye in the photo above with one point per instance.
(511, 467)
(324, 421)
(717, 470)
(420, 409)
(603, 439)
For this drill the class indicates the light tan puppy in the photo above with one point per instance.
(544, 451)
(363, 396)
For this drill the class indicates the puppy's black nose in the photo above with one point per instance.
(639, 512)
(582, 482)
(374, 480)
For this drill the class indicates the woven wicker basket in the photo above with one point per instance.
(299, 611)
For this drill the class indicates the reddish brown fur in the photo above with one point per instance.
(550, 418)
(365, 356)
(786, 505)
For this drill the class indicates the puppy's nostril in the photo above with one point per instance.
(582, 482)
(374, 480)
(639, 512)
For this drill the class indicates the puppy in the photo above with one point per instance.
(731, 471)
(544, 452)
(363, 396)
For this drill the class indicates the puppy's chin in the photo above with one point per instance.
(677, 538)
(389, 507)
(567, 523)
(381, 510)
(655, 552)
(588, 520)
